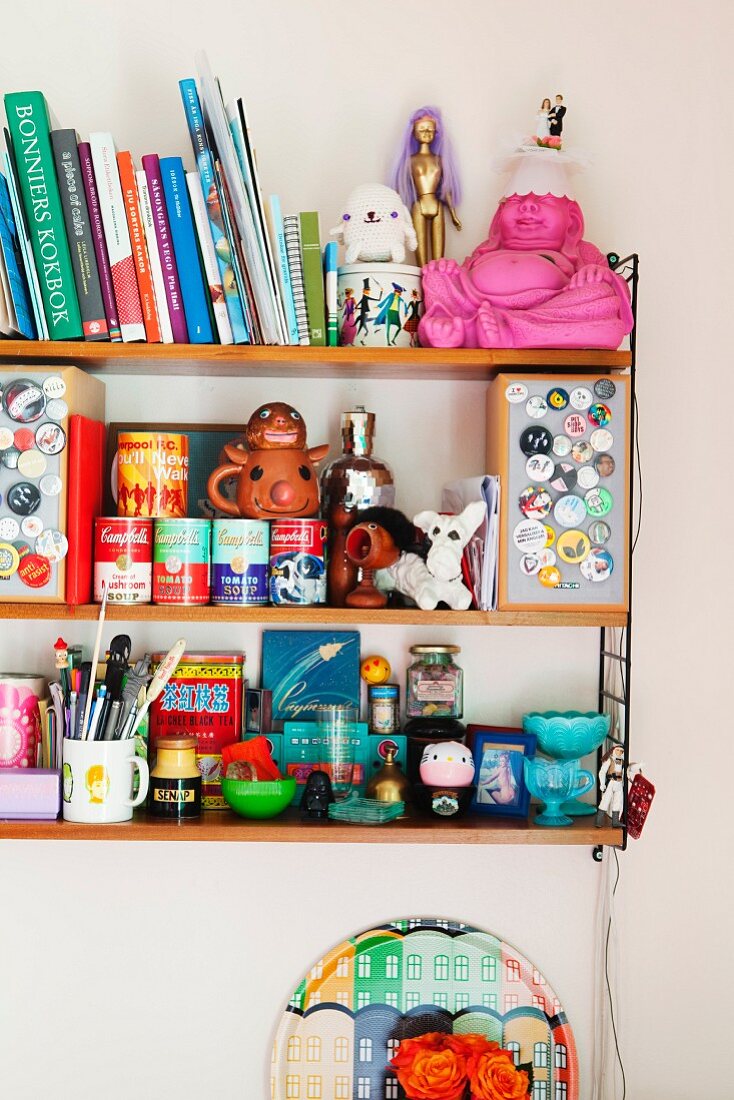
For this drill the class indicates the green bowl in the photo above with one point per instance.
(259, 800)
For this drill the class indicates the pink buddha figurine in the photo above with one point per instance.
(534, 282)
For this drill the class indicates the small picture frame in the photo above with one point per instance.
(258, 710)
(499, 776)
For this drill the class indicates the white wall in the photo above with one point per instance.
(161, 969)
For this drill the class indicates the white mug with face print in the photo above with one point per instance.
(97, 780)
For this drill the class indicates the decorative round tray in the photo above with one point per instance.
(346, 1018)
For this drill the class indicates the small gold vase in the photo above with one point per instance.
(390, 783)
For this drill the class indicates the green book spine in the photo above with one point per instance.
(29, 131)
(313, 278)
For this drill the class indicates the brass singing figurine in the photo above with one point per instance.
(427, 179)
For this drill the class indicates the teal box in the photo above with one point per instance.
(301, 748)
(306, 668)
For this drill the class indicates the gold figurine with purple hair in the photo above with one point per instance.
(426, 177)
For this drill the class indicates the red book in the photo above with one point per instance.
(86, 480)
(128, 183)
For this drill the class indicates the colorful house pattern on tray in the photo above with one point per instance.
(347, 1017)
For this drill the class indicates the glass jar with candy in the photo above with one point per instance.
(435, 683)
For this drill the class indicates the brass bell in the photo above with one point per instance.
(390, 783)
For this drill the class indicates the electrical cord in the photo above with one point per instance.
(609, 986)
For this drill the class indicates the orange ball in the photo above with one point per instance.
(375, 670)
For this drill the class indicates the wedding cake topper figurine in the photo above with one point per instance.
(534, 282)
(549, 123)
(426, 177)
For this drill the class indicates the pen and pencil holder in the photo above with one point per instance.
(97, 781)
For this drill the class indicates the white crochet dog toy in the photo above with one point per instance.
(375, 226)
(438, 578)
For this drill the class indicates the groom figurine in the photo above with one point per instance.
(555, 117)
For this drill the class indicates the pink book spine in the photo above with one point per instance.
(100, 245)
(152, 169)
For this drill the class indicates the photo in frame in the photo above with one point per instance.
(499, 777)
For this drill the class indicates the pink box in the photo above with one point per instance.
(30, 793)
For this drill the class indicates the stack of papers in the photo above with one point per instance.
(481, 550)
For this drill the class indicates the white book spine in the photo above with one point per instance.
(293, 250)
(159, 288)
(117, 236)
(209, 257)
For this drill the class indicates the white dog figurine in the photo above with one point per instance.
(438, 578)
(375, 226)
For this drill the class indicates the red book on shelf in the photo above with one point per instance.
(129, 186)
(86, 480)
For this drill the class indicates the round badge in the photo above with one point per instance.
(587, 477)
(529, 565)
(50, 438)
(605, 465)
(9, 528)
(535, 503)
(599, 415)
(564, 477)
(604, 388)
(22, 547)
(601, 440)
(539, 467)
(574, 425)
(549, 576)
(52, 545)
(536, 407)
(24, 400)
(581, 398)
(529, 535)
(599, 502)
(570, 511)
(50, 485)
(582, 451)
(561, 445)
(550, 535)
(599, 532)
(57, 409)
(10, 458)
(54, 386)
(9, 559)
(516, 392)
(598, 566)
(32, 464)
(557, 398)
(35, 570)
(536, 441)
(31, 526)
(24, 439)
(6, 439)
(24, 498)
(573, 546)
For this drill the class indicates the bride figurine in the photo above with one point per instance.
(542, 126)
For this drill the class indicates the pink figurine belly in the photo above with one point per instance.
(503, 273)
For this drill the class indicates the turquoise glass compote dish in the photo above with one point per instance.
(569, 735)
(554, 781)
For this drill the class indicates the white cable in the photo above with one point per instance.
(606, 1070)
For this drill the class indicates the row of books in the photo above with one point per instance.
(93, 247)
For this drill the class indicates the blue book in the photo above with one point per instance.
(10, 244)
(274, 217)
(212, 199)
(183, 235)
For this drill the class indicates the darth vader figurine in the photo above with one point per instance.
(317, 795)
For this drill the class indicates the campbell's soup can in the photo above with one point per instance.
(123, 559)
(181, 561)
(297, 561)
(240, 559)
(152, 474)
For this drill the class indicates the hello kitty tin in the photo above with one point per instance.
(447, 764)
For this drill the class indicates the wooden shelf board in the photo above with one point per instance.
(344, 616)
(291, 362)
(225, 826)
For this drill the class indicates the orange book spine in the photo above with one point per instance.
(140, 252)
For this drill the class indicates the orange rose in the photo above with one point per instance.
(428, 1069)
(471, 1044)
(495, 1077)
